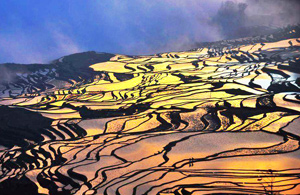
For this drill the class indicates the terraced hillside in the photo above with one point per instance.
(223, 118)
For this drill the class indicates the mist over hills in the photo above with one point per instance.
(19, 78)
(16, 79)
(41, 33)
(238, 19)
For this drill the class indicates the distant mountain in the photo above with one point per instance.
(256, 34)
(17, 79)
(67, 71)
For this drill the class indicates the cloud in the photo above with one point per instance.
(278, 13)
(24, 48)
(49, 30)
(46, 31)
(158, 26)
(18, 48)
(237, 18)
(64, 44)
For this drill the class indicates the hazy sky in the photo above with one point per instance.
(34, 31)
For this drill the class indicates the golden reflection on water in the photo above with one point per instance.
(163, 124)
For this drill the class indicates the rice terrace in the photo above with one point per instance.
(222, 118)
